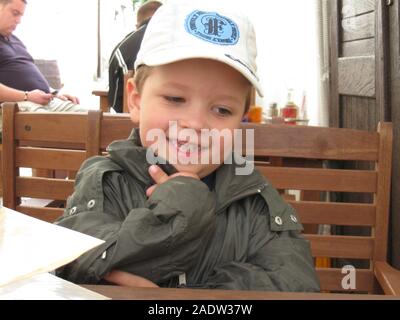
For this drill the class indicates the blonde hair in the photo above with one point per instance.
(141, 74)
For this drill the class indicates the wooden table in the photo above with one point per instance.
(125, 293)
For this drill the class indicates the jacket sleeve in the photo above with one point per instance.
(277, 257)
(156, 238)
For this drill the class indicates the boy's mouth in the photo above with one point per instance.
(186, 148)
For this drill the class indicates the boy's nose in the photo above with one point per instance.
(196, 120)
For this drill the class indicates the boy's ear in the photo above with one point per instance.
(133, 101)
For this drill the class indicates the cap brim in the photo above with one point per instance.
(179, 54)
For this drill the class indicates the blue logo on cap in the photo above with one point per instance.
(212, 27)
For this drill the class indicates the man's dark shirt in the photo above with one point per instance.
(123, 59)
(17, 69)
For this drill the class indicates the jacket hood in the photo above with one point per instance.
(229, 186)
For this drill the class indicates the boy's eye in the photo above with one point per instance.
(174, 99)
(222, 111)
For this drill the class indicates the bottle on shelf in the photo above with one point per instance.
(290, 111)
(273, 110)
(303, 107)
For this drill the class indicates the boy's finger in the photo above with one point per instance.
(150, 191)
(157, 174)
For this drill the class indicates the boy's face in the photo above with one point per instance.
(184, 99)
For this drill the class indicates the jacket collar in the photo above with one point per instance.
(131, 156)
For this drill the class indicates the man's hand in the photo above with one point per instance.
(67, 97)
(160, 177)
(39, 96)
(126, 279)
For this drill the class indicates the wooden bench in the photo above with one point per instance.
(306, 145)
(55, 141)
(63, 141)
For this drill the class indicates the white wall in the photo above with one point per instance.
(287, 50)
(66, 30)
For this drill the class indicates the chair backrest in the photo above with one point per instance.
(306, 157)
(127, 76)
(50, 70)
(291, 157)
(55, 141)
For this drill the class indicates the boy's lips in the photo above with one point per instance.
(182, 145)
(186, 148)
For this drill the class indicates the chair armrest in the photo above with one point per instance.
(100, 93)
(388, 278)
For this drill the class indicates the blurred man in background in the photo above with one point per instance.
(124, 55)
(20, 78)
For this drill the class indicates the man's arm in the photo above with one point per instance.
(14, 95)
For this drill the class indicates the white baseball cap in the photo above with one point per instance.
(189, 29)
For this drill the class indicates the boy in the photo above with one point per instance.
(202, 226)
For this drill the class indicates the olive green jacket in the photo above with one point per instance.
(241, 235)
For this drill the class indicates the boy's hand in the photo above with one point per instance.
(126, 279)
(160, 177)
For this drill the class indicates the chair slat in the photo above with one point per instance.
(55, 126)
(341, 246)
(115, 127)
(314, 142)
(331, 280)
(320, 179)
(55, 158)
(42, 213)
(341, 214)
(44, 188)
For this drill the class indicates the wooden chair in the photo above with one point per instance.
(64, 141)
(304, 145)
(103, 96)
(50, 70)
(55, 141)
